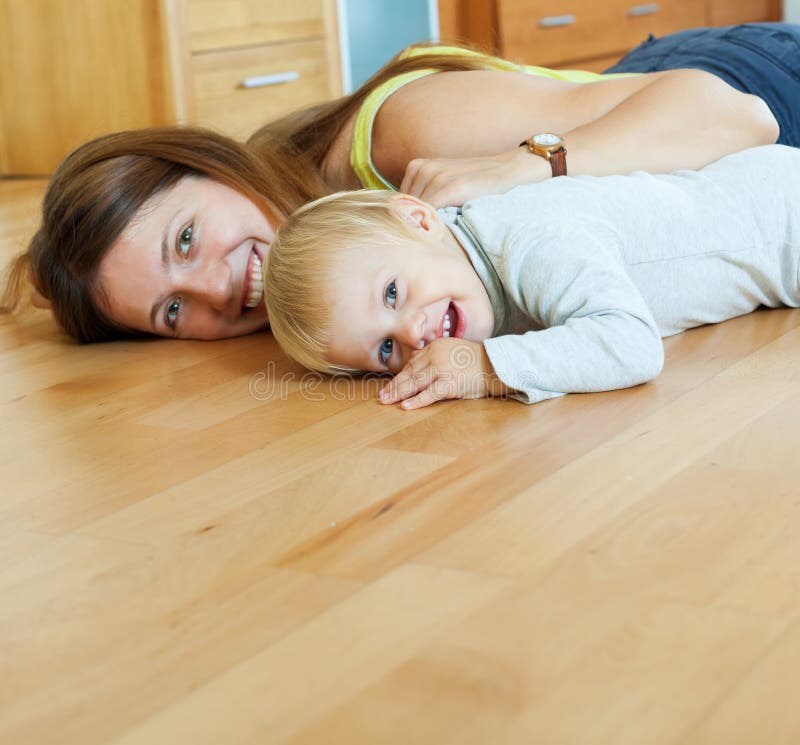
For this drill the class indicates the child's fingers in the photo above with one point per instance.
(410, 385)
(409, 381)
(426, 397)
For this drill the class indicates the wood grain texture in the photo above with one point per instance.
(726, 12)
(70, 71)
(590, 35)
(470, 22)
(225, 24)
(200, 544)
(598, 29)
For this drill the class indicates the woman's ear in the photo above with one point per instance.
(39, 301)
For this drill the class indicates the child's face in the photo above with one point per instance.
(388, 302)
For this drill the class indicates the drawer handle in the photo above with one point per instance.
(556, 21)
(643, 10)
(262, 81)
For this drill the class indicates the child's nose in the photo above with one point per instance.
(412, 332)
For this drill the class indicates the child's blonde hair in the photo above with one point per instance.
(303, 256)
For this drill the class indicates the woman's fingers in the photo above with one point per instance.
(410, 177)
(445, 183)
(427, 178)
(418, 172)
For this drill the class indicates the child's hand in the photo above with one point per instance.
(446, 368)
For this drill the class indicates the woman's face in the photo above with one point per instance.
(189, 264)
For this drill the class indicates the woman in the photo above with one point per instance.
(156, 261)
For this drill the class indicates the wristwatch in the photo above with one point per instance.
(550, 147)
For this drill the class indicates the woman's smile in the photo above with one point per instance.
(253, 285)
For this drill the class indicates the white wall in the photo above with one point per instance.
(791, 11)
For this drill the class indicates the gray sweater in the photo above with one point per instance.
(586, 274)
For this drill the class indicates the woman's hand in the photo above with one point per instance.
(446, 368)
(451, 182)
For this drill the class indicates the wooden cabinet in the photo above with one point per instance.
(71, 70)
(726, 12)
(587, 34)
(551, 33)
(244, 62)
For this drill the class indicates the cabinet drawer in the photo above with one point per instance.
(221, 98)
(728, 12)
(220, 24)
(552, 33)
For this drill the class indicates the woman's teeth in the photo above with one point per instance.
(256, 291)
(446, 324)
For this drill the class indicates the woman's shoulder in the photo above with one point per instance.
(451, 114)
(440, 111)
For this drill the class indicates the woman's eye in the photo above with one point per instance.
(185, 240)
(173, 310)
(391, 294)
(385, 351)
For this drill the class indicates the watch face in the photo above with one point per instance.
(546, 140)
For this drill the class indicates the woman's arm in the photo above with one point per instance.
(683, 119)
(451, 136)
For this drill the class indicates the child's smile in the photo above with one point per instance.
(453, 323)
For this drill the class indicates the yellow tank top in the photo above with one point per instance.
(361, 148)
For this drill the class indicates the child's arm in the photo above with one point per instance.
(597, 332)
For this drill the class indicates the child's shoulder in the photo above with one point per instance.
(780, 158)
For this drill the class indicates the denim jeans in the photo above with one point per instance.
(758, 58)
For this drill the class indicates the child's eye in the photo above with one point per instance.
(385, 351)
(173, 311)
(185, 240)
(391, 294)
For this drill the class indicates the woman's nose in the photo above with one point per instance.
(211, 283)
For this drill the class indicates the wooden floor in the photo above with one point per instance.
(198, 545)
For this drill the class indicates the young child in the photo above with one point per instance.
(557, 287)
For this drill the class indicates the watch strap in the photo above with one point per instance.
(558, 162)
